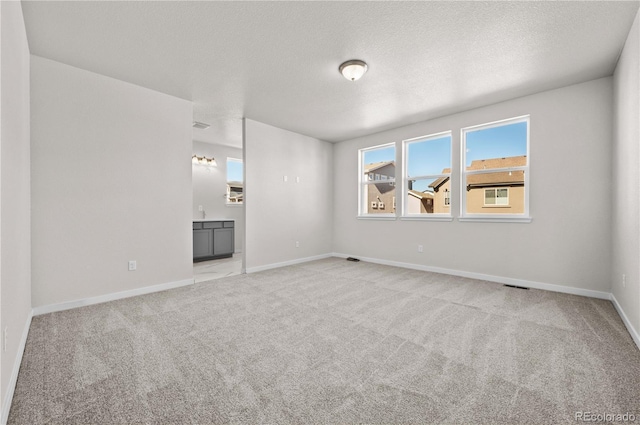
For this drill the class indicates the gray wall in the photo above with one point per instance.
(626, 179)
(15, 249)
(111, 182)
(280, 213)
(210, 188)
(567, 243)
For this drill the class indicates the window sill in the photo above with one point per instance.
(235, 205)
(480, 219)
(426, 217)
(377, 217)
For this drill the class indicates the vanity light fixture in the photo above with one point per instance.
(203, 160)
(353, 69)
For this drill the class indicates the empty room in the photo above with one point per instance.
(332, 212)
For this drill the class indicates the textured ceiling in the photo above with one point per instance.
(277, 62)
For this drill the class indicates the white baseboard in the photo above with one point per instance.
(51, 308)
(499, 279)
(287, 263)
(634, 333)
(13, 380)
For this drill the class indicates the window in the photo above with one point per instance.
(377, 181)
(427, 176)
(235, 182)
(496, 197)
(496, 164)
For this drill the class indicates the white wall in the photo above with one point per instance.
(111, 182)
(210, 188)
(15, 248)
(626, 179)
(568, 241)
(279, 213)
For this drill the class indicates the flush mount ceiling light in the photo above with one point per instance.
(353, 69)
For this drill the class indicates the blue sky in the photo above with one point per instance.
(497, 142)
(380, 155)
(234, 171)
(432, 156)
(429, 157)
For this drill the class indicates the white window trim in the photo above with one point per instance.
(362, 182)
(427, 217)
(226, 196)
(507, 217)
(387, 217)
(404, 199)
(496, 218)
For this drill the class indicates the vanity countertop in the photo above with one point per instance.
(212, 219)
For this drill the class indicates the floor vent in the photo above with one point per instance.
(515, 286)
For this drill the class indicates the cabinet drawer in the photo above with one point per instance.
(212, 225)
(228, 224)
(197, 226)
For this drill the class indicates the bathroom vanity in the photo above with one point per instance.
(212, 239)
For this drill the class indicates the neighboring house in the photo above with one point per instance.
(235, 192)
(499, 192)
(488, 193)
(381, 197)
(496, 193)
(442, 193)
(419, 202)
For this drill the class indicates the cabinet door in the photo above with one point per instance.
(223, 241)
(202, 243)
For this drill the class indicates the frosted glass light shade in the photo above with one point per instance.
(353, 69)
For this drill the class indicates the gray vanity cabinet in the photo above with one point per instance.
(202, 243)
(212, 240)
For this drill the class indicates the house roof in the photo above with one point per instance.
(504, 178)
(377, 165)
(511, 161)
(235, 184)
(501, 178)
(439, 181)
(421, 195)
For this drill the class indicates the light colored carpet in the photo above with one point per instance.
(330, 341)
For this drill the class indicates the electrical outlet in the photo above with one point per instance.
(285, 178)
(297, 179)
(200, 208)
(297, 244)
(132, 265)
(420, 248)
(624, 280)
(4, 339)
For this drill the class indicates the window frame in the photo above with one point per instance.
(495, 217)
(363, 183)
(226, 197)
(405, 178)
